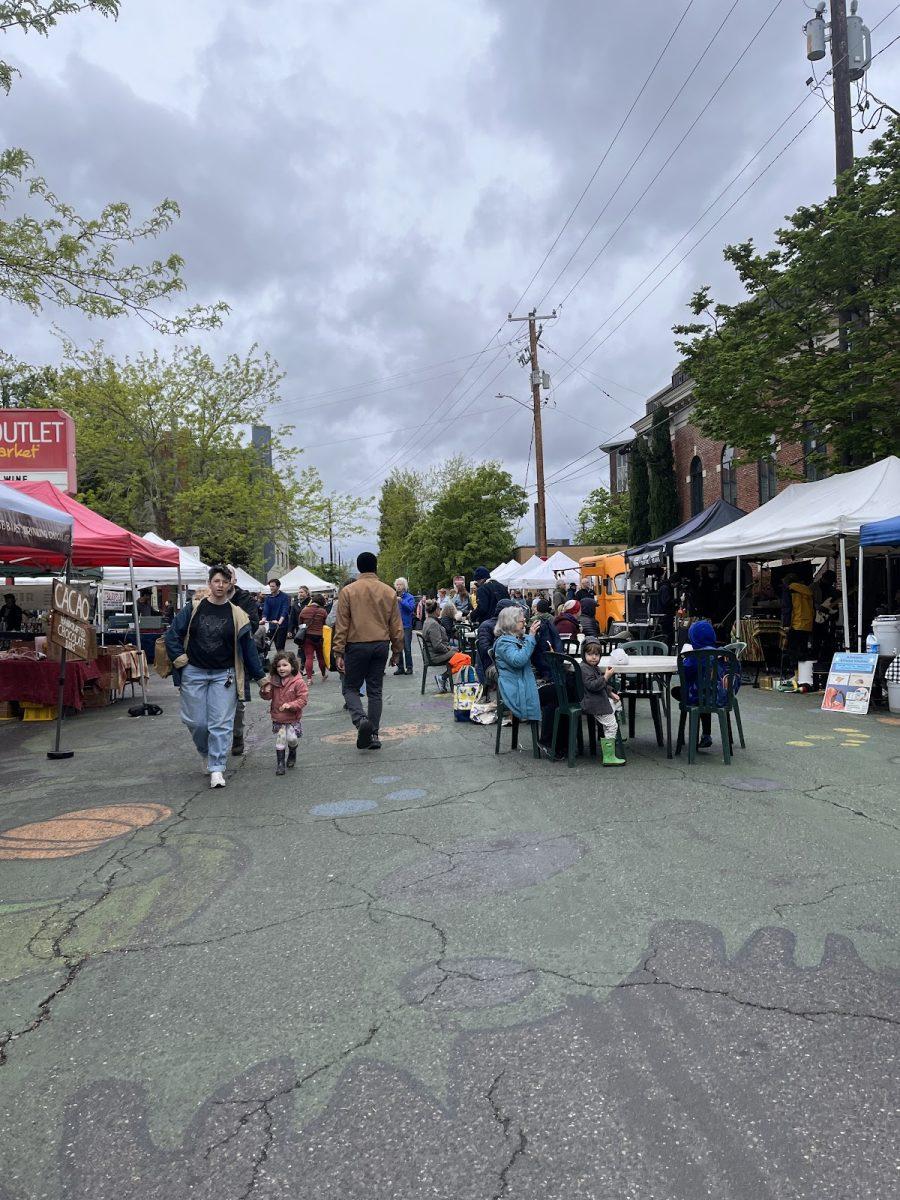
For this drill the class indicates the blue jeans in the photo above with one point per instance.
(407, 651)
(207, 708)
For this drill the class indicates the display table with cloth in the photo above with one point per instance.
(764, 640)
(661, 668)
(33, 682)
(121, 667)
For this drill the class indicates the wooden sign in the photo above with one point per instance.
(69, 601)
(77, 638)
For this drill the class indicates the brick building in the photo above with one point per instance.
(705, 470)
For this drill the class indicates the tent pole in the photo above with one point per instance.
(137, 632)
(178, 593)
(737, 598)
(60, 695)
(845, 603)
(859, 602)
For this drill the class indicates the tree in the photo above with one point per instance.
(40, 16)
(160, 446)
(639, 495)
(663, 503)
(471, 522)
(400, 508)
(62, 258)
(603, 519)
(773, 367)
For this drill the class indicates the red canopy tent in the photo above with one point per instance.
(96, 542)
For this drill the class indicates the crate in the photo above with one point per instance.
(38, 712)
(8, 710)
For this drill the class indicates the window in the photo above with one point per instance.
(812, 458)
(622, 470)
(696, 486)
(768, 482)
(620, 583)
(729, 478)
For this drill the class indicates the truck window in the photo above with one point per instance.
(620, 583)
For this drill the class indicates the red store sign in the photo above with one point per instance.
(38, 443)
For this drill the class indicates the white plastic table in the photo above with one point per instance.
(661, 667)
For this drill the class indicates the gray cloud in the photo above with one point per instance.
(371, 186)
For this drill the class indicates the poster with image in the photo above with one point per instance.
(849, 686)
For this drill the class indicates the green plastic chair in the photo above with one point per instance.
(707, 662)
(641, 687)
(738, 649)
(562, 668)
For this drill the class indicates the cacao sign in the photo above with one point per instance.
(77, 638)
(70, 601)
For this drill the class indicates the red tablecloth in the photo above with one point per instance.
(38, 682)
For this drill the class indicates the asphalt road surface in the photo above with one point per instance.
(427, 971)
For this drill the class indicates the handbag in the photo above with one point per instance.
(466, 693)
(300, 635)
(161, 664)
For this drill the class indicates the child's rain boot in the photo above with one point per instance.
(279, 755)
(608, 746)
(292, 756)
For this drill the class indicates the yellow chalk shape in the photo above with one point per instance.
(847, 729)
(799, 743)
(852, 743)
(821, 737)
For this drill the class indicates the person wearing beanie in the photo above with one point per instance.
(490, 593)
(367, 631)
(484, 640)
(546, 639)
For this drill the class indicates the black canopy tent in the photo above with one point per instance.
(658, 553)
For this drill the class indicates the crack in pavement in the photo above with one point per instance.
(838, 887)
(505, 1123)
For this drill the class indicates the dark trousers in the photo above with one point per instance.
(281, 635)
(364, 663)
(405, 663)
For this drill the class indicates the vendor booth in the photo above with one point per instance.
(93, 541)
(658, 552)
(302, 577)
(808, 520)
(504, 570)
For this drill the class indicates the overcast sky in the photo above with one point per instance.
(371, 186)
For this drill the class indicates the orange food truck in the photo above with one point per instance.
(605, 573)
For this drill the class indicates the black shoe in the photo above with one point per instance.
(375, 743)
(291, 757)
(237, 747)
(364, 734)
(410, 671)
(279, 757)
(705, 742)
(399, 671)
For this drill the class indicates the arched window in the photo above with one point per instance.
(729, 478)
(696, 485)
(768, 481)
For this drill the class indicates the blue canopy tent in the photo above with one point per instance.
(880, 533)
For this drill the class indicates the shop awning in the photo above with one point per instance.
(32, 533)
(806, 518)
(659, 551)
(881, 533)
(96, 542)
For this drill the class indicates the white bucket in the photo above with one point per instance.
(887, 634)
(805, 672)
(893, 691)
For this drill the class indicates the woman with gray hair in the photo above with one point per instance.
(513, 649)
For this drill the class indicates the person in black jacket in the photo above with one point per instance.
(490, 593)
(547, 639)
(485, 640)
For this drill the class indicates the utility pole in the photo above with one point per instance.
(540, 533)
(851, 53)
(330, 533)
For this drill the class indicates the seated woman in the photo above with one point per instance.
(546, 639)
(448, 619)
(513, 649)
(588, 618)
(437, 644)
(567, 623)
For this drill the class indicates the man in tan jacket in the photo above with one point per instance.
(368, 629)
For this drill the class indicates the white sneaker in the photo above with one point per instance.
(216, 779)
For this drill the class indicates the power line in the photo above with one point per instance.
(672, 153)
(640, 153)
(603, 159)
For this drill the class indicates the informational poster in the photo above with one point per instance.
(849, 686)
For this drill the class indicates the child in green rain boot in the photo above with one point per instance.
(598, 700)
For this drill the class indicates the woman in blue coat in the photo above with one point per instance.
(513, 649)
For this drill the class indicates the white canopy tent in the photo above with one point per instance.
(247, 582)
(506, 569)
(190, 572)
(517, 578)
(806, 519)
(560, 562)
(302, 577)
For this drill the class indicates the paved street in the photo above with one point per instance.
(433, 972)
